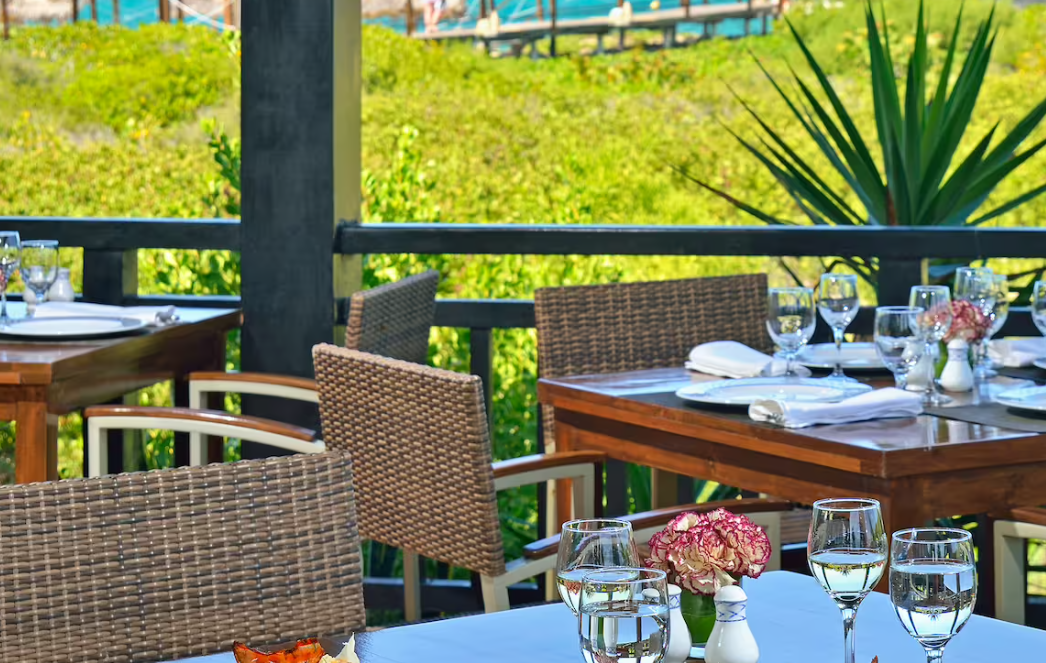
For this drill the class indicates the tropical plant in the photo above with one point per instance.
(919, 138)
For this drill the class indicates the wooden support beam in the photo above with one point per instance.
(76, 10)
(116, 12)
(94, 10)
(410, 17)
(541, 10)
(552, 36)
(6, 19)
(227, 14)
(165, 11)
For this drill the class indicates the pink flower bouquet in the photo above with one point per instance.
(702, 552)
(968, 323)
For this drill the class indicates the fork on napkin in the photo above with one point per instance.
(730, 359)
(158, 316)
(1016, 352)
(880, 404)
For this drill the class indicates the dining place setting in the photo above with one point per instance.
(49, 311)
(938, 349)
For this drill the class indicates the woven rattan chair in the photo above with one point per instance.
(154, 566)
(1012, 532)
(424, 478)
(392, 320)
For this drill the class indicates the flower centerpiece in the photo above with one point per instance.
(968, 323)
(703, 552)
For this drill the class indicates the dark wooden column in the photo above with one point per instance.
(301, 175)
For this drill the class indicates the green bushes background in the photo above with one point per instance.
(144, 123)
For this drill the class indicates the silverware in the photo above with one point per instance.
(166, 317)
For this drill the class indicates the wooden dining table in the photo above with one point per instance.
(41, 380)
(792, 618)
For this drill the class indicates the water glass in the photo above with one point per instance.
(39, 267)
(624, 615)
(1000, 311)
(977, 286)
(933, 323)
(10, 256)
(791, 321)
(898, 341)
(933, 585)
(591, 545)
(847, 553)
(1038, 306)
(838, 303)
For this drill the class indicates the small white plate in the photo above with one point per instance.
(749, 390)
(854, 357)
(1026, 398)
(71, 327)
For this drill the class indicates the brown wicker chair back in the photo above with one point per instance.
(421, 453)
(585, 330)
(154, 566)
(393, 320)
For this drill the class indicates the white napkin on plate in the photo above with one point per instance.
(880, 404)
(1016, 352)
(730, 359)
(152, 315)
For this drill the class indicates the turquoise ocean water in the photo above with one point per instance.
(137, 12)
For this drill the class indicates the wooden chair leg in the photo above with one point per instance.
(411, 587)
(1010, 560)
(495, 594)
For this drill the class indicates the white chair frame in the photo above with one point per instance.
(1010, 563)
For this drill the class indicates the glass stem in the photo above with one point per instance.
(849, 648)
(935, 655)
(901, 380)
(3, 306)
(931, 383)
(837, 333)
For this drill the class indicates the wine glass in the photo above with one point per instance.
(624, 615)
(847, 552)
(1000, 311)
(1038, 306)
(933, 323)
(977, 286)
(39, 267)
(898, 341)
(10, 254)
(791, 321)
(590, 545)
(837, 301)
(933, 585)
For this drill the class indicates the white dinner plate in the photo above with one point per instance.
(1040, 363)
(1025, 398)
(71, 327)
(746, 391)
(854, 357)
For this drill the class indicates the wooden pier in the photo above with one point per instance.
(666, 20)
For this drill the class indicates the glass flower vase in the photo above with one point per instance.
(699, 613)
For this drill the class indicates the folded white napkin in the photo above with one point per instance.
(879, 404)
(1016, 352)
(153, 315)
(730, 359)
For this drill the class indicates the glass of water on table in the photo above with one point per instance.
(933, 584)
(624, 615)
(591, 545)
(847, 550)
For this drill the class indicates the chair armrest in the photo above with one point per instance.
(254, 378)
(260, 384)
(1032, 515)
(184, 414)
(539, 462)
(661, 517)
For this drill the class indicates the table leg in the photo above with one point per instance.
(985, 541)
(563, 504)
(36, 443)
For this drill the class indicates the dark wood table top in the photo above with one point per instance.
(793, 620)
(887, 448)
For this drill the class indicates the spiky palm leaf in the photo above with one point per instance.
(916, 184)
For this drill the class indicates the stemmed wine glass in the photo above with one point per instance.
(1000, 311)
(590, 545)
(847, 552)
(791, 321)
(898, 341)
(1038, 306)
(933, 585)
(624, 615)
(39, 267)
(10, 254)
(977, 286)
(837, 301)
(933, 323)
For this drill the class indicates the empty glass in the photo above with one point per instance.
(624, 615)
(977, 286)
(933, 323)
(1038, 306)
(590, 545)
(39, 267)
(10, 255)
(837, 301)
(933, 584)
(1000, 311)
(847, 552)
(791, 321)
(898, 341)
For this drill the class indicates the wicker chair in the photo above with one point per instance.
(392, 320)
(154, 566)
(1012, 531)
(424, 477)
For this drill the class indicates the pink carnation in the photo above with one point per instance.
(969, 323)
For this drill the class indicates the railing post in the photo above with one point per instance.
(6, 19)
(896, 277)
(76, 10)
(116, 12)
(481, 363)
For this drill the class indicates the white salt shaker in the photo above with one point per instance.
(678, 634)
(731, 640)
(62, 288)
(957, 374)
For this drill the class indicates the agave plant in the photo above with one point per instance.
(916, 184)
